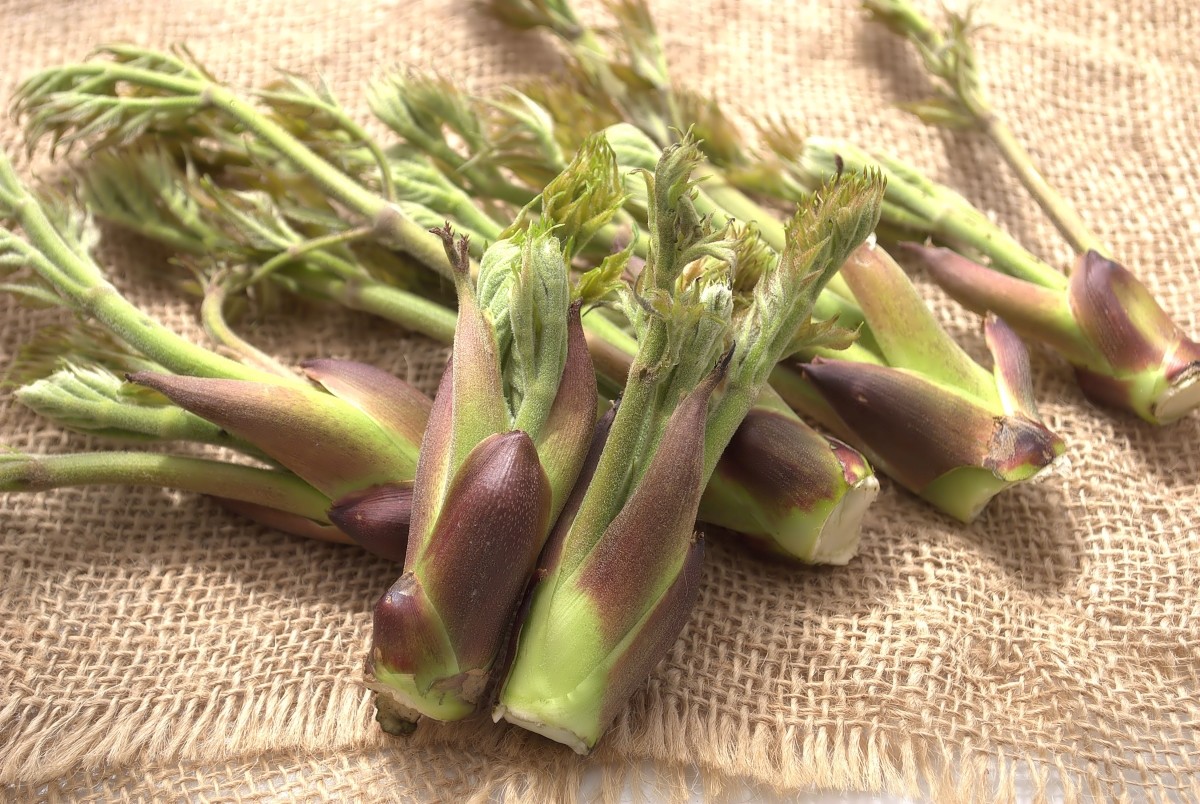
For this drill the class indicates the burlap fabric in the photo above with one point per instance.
(153, 646)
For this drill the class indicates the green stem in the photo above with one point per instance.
(847, 312)
(497, 188)
(350, 127)
(902, 224)
(1060, 211)
(212, 315)
(618, 466)
(271, 488)
(298, 250)
(175, 237)
(82, 282)
(408, 310)
(904, 19)
(947, 214)
(724, 420)
(387, 221)
(979, 233)
(611, 333)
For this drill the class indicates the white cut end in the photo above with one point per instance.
(1180, 398)
(531, 723)
(392, 712)
(842, 531)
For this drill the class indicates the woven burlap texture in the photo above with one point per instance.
(153, 645)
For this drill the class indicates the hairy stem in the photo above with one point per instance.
(386, 220)
(212, 315)
(88, 292)
(1060, 211)
(408, 310)
(295, 252)
(268, 487)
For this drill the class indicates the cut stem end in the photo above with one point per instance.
(1181, 397)
(842, 531)
(531, 722)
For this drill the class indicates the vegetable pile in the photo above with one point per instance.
(638, 340)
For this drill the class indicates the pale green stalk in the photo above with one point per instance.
(960, 102)
(51, 101)
(62, 261)
(279, 490)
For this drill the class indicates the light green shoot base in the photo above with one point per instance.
(563, 668)
(558, 692)
(963, 493)
(404, 698)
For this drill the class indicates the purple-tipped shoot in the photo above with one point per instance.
(331, 443)
(507, 436)
(623, 566)
(596, 631)
(1127, 353)
(927, 414)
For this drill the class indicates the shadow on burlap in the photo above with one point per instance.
(151, 644)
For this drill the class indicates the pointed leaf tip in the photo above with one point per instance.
(1014, 376)
(285, 521)
(478, 406)
(913, 439)
(376, 518)
(393, 403)
(1118, 314)
(1019, 448)
(329, 443)
(407, 636)
(485, 544)
(458, 250)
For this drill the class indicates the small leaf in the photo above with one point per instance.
(601, 283)
(814, 335)
(942, 112)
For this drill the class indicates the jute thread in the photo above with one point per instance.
(152, 644)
